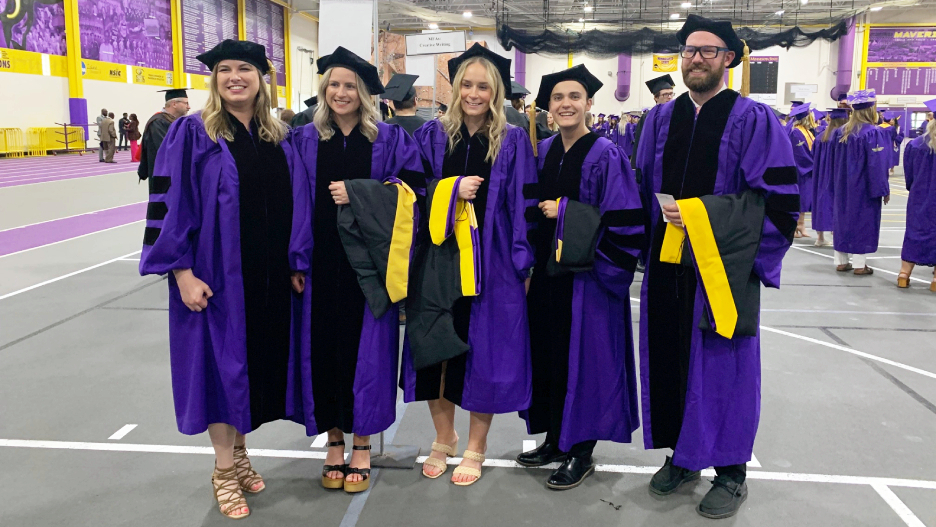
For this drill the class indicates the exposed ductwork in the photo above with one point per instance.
(520, 67)
(846, 60)
(622, 92)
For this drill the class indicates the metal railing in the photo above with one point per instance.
(11, 142)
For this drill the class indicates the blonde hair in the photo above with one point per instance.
(931, 135)
(367, 111)
(858, 119)
(834, 124)
(497, 120)
(809, 122)
(589, 119)
(218, 125)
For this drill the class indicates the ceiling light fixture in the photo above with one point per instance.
(674, 16)
(588, 8)
(581, 20)
(467, 14)
(779, 13)
(686, 5)
(878, 8)
(433, 25)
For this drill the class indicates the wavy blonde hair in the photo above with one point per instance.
(808, 122)
(857, 119)
(367, 111)
(496, 119)
(218, 125)
(931, 135)
(834, 124)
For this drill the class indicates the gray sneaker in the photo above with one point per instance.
(724, 499)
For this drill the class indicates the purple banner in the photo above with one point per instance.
(902, 44)
(132, 32)
(205, 23)
(901, 81)
(37, 26)
(265, 25)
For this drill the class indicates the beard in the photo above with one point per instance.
(704, 84)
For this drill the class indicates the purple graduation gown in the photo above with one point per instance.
(860, 172)
(629, 138)
(375, 373)
(743, 147)
(601, 397)
(822, 205)
(802, 141)
(201, 231)
(919, 244)
(497, 371)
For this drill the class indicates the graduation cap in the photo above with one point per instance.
(443, 107)
(842, 96)
(577, 73)
(931, 104)
(601, 115)
(243, 50)
(175, 93)
(517, 91)
(817, 114)
(720, 28)
(838, 113)
(346, 59)
(400, 88)
(794, 104)
(799, 110)
(658, 84)
(501, 64)
(862, 99)
(311, 101)
(891, 115)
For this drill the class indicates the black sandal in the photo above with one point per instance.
(332, 483)
(358, 486)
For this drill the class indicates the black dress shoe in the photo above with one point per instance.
(670, 477)
(724, 499)
(542, 455)
(571, 473)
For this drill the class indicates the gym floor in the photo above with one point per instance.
(88, 434)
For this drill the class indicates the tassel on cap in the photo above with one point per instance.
(746, 71)
(274, 90)
(533, 128)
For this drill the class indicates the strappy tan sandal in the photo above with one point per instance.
(357, 486)
(334, 483)
(468, 471)
(844, 268)
(933, 283)
(247, 477)
(864, 271)
(225, 484)
(448, 450)
(903, 280)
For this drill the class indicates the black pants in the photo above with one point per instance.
(737, 473)
(122, 144)
(583, 449)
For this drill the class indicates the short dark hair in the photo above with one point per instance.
(125, 114)
(405, 105)
(111, 115)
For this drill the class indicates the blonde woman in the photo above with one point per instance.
(222, 204)
(353, 344)
(471, 349)
(802, 138)
(860, 158)
(919, 246)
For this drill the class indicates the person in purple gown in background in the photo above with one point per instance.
(822, 201)
(802, 139)
(919, 246)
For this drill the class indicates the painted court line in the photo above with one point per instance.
(528, 444)
(320, 440)
(875, 268)
(497, 463)
(844, 312)
(120, 434)
(73, 238)
(899, 506)
(73, 216)
(754, 463)
(64, 276)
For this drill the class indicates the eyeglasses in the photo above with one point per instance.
(707, 52)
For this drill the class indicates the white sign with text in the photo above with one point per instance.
(435, 43)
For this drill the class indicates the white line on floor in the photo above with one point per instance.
(499, 463)
(72, 216)
(899, 506)
(129, 259)
(528, 444)
(852, 351)
(881, 257)
(754, 463)
(72, 238)
(875, 268)
(118, 435)
(843, 312)
(64, 276)
(320, 441)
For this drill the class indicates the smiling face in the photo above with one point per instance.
(341, 93)
(704, 75)
(476, 90)
(568, 103)
(238, 82)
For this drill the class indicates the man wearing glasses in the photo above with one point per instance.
(729, 165)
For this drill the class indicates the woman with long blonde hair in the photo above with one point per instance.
(919, 246)
(350, 324)
(860, 159)
(802, 138)
(822, 205)
(223, 201)
(472, 350)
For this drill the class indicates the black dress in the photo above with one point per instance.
(549, 302)
(337, 299)
(265, 197)
(466, 159)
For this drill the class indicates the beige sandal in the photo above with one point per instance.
(247, 477)
(448, 450)
(225, 483)
(468, 471)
